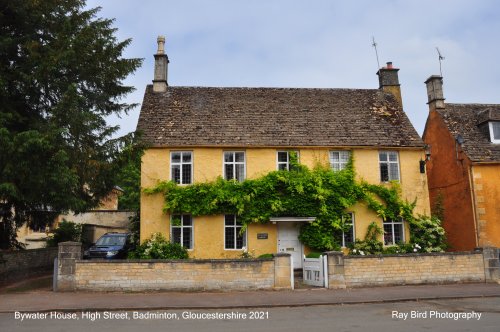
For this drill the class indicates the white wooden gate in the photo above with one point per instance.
(314, 271)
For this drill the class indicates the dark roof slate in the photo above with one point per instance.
(204, 116)
(470, 121)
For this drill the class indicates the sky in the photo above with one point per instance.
(314, 44)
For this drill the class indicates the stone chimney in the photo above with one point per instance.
(161, 67)
(435, 92)
(389, 81)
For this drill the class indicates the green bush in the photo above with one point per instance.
(314, 255)
(67, 231)
(266, 256)
(157, 247)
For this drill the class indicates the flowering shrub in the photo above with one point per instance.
(428, 234)
(157, 247)
(246, 254)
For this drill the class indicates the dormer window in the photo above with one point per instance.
(495, 131)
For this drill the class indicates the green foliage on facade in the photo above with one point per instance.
(157, 247)
(300, 192)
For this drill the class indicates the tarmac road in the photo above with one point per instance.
(483, 315)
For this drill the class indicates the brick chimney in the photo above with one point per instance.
(435, 92)
(161, 67)
(389, 81)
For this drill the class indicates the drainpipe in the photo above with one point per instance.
(471, 185)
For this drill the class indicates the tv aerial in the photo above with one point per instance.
(441, 57)
(374, 44)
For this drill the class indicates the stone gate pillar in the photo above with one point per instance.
(68, 254)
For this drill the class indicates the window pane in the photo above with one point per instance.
(239, 239)
(282, 166)
(228, 157)
(283, 156)
(334, 156)
(349, 236)
(176, 235)
(229, 238)
(240, 172)
(344, 156)
(186, 157)
(229, 171)
(398, 233)
(176, 157)
(394, 172)
(176, 173)
(382, 156)
(393, 156)
(239, 156)
(229, 219)
(186, 240)
(186, 173)
(496, 130)
(384, 172)
(186, 220)
(388, 236)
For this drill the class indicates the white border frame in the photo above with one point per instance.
(234, 163)
(181, 163)
(388, 167)
(287, 158)
(353, 231)
(224, 233)
(330, 159)
(192, 230)
(392, 223)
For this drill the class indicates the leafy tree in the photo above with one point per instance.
(61, 73)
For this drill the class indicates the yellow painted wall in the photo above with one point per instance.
(487, 201)
(207, 165)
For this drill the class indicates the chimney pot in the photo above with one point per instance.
(161, 45)
(161, 67)
(389, 65)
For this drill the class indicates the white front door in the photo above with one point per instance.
(288, 241)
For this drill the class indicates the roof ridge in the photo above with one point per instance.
(263, 88)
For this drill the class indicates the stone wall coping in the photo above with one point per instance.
(281, 254)
(69, 243)
(188, 261)
(419, 254)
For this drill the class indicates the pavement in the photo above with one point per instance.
(46, 300)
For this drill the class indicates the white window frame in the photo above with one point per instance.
(389, 163)
(287, 162)
(181, 164)
(492, 133)
(182, 226)
(392, 223)
(339, 165)
(234, 163)
(236, 232)
(353, 230)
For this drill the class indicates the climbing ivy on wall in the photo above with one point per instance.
(301, 192)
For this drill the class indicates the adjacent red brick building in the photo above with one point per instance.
(464, 168)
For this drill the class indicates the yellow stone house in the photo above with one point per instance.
(196, 134)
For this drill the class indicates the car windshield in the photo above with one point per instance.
(111, 241)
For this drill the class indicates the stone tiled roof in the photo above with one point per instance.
(470, 121)
(277, 117)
